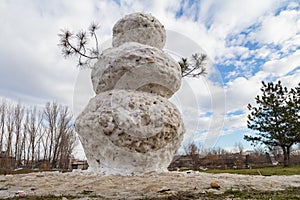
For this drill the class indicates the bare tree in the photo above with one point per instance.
(66, 147)
(216, 151)
(51, 116)
(29, 134)
(259, 150)
(45, 142)
(275, 151)
(62, 124)
(40, 135)
(10, 130)
(32, 131)
(2, 124)
(239, 147)
(33, 122)
(67, 138)
(23, 148)
(18, 118)
(193, 151)
(60, 135)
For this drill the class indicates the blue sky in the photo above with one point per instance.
(246, 41)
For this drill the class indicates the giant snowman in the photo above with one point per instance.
(130, 127)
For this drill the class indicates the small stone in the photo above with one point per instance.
(215, 185)
(20, 193)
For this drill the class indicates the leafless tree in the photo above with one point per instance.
(40, 135)
(275, 151)
(29, 134)
(193, 151)
(60, 136)
(10, 130)
(34, 127)
(18, 118)
(23, 147)
(259, 150)
(51, 117)
(239, 147)
(32, 131)
(2, 124)
(45, 141)
(62, 128)
(216, 151)
(66, 147)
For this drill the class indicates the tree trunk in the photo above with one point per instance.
(286, 155)
(51, 114)
(10, 130)
(23, 148)
(18, 118)
(2, 125)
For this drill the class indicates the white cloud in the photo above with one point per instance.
(278, 29)
(233, 16)
(32, 69)
(281, 67)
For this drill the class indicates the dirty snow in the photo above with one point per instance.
(135, 187)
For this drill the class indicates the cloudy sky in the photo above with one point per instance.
(246, 41)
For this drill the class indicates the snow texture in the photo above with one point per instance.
(137, 67)
(129, 132)
(130, 127)
(141, 28)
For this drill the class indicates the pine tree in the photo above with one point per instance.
(276, 118)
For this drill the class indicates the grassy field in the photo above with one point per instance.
(289, 193)
(268, 171)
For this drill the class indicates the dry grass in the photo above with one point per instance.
(289, 193)
(267, 171)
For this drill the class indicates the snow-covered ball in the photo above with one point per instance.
(126, 132)
(141, 28)
(135, 66)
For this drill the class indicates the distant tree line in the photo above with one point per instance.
(29, 136)
(196, 157)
